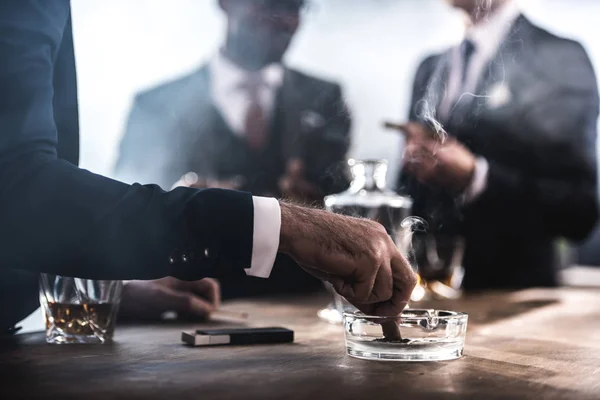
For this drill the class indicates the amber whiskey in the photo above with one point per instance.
(82, 319)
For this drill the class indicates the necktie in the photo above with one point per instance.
(467, 49)
(448, 107)
(256, 123)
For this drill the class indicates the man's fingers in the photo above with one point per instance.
(420, 162)
(383, 287)
(405, 281)
(208, 289)
(355, 284)
(184, 303)
(358, 288)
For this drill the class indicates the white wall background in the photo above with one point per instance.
(371, 46)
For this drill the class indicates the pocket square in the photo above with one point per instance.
(311, 119)
(499, 95)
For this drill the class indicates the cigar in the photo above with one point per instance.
(391, 331)
(432, 129)
(226, 314)
(395, 126)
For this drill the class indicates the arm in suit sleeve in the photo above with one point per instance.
(559, 192)
(57, 218)
(142, 156)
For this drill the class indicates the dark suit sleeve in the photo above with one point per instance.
(57, 218)
(142, 153)
(559, 191)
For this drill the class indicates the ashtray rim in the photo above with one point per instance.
(453, 315)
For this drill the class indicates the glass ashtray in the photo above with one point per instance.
(415, 335)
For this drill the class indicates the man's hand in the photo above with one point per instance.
(436, 161)
(151, 299)
(294, 186)
(356, 256)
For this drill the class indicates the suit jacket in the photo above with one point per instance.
(59, 219)
(535, 123)
(175, 128)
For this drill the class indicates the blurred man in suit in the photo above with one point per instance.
(244, 121)
(512, 166)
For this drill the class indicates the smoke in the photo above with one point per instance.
(427, 106)
(414, 224)
(483, 9)
(437, 89)
(409, 226)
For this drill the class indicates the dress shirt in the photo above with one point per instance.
(228, 83)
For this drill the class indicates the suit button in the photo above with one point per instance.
(184, 258)
(171, 260)
(207, 253)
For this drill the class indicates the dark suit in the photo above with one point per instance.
(59, 219)
(541, 150)
(175, 128)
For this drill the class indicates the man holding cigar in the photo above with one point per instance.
(59, 219)
(514, 166)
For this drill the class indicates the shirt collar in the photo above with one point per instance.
(229, 76)
(487, 36)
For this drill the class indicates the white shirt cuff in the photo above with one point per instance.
(479, 182)
(265, 242)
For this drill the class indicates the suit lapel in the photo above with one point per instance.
(436, 92)
(493, 87)
(194, 103)
(203, 135)
(509, 52)
(495, 79)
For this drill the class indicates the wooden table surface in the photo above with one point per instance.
(534, 344)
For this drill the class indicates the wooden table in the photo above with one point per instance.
(535, 344)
